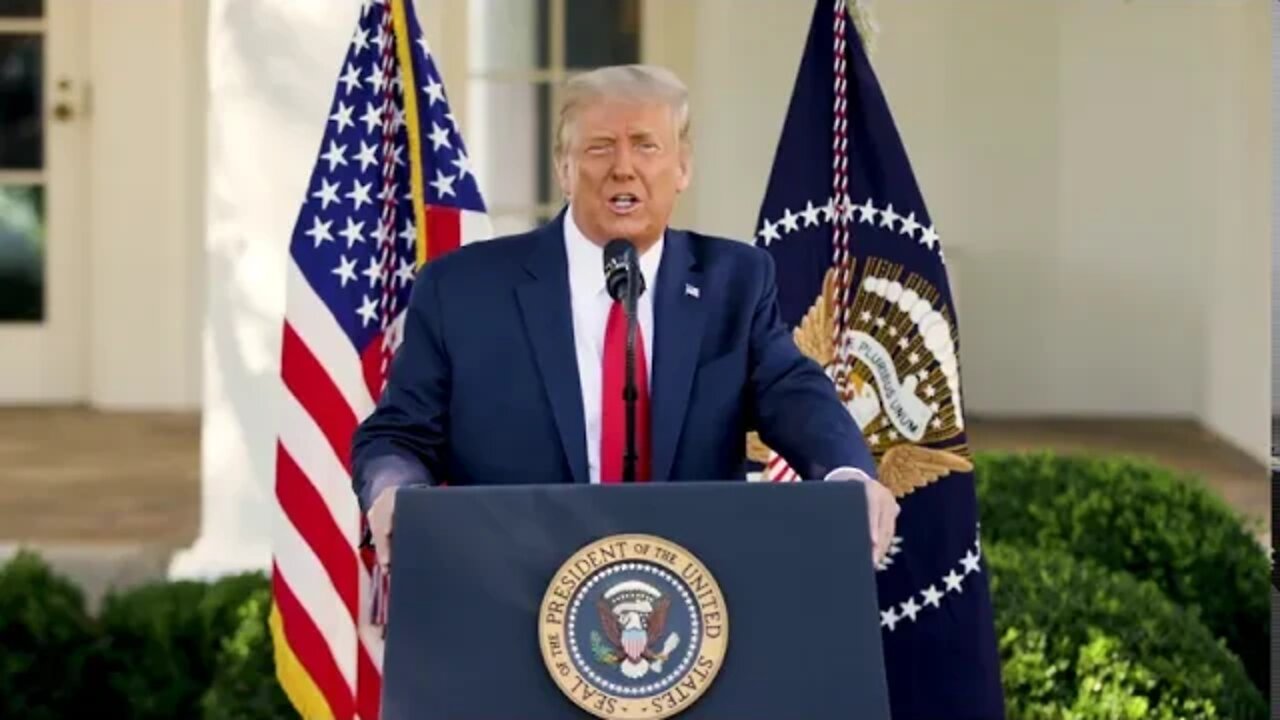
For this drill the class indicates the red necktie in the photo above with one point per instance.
(613, 425)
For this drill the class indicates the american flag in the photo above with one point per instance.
(391, 189)
(863, 283)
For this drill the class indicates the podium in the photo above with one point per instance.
(697, 600)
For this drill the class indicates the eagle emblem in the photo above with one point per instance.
(633, 617)
(903, 384)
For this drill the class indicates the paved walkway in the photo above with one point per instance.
(111, 495)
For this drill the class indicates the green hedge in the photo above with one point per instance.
(1110, 577)
(48, 643)
(244, 684)
(161, 642)
(1080, 642)
(1135, 516)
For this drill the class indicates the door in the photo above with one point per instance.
(43, 324)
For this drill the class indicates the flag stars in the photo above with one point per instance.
(970, 562)
(372, 118)
(376, 78)
(910, 609)
(904, 343)
(913, 358)
(359, 193)
(789, 221)
(929, 238)
(928, 391)
(434, 91)
(443, 184)
(463, 163)
(931, 596)
(810, 214)
(360, 39)
(409, 234)
(368, 311)
(889, 618)
(367, 155)
(404, 274)
(335, 156)
(769, 232)
(889, 217)
(910, 226)
(353, 232)
(829, 210)
(439, 136)
(373, 272)
(351, 79)
(343, 116)
(320, 230)
(867, 212)
(346, 270)
(953, 580)
(328, 193)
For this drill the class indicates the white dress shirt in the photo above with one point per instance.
(591, 303)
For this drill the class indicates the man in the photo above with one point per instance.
(510, 369)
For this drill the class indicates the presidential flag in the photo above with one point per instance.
(862, 281)
(391, 189)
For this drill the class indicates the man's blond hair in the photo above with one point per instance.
(622, 82)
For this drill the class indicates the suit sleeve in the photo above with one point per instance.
(797, 410)
(403, 441)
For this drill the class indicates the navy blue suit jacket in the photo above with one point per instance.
(484, 388)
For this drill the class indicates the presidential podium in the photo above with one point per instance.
(727, 600)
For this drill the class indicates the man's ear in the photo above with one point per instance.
(686, 170)
(563, 176)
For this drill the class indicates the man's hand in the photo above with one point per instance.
(380, 514)
(882, 511)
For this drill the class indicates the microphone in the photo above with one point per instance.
(622, 270)
(625, 283)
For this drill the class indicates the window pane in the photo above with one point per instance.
(21, 253)
(601, 33)
(509, 35)
(21, 130)
(21, 8)
(510, 141)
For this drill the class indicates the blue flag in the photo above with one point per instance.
(863, 283)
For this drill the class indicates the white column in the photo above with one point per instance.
(272, 66)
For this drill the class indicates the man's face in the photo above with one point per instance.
(622, 170)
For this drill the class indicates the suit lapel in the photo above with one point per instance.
(548, 320)
(678, 319)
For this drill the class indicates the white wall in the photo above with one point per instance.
(143, 218)
(1096, 170)
(1238, 373)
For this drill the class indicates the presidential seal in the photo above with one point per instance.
(633, 626)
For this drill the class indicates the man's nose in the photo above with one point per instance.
(623, 169)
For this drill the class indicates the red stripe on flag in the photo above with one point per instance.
(307, 379)
(368, 686)
(311, 650)
(444, 230)
(306, 509)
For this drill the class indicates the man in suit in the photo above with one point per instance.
(511, 367)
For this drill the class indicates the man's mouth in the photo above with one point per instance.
(623, 203)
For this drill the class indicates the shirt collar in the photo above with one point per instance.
(586, 260)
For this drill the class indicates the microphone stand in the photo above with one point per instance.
(630, 393)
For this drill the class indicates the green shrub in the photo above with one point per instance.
(47, 643)
(1081, 642)
(244, 684)
(1132, 515)
(162, 641)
